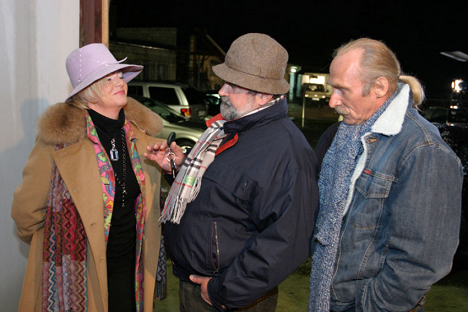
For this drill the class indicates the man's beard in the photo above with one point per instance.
(229, 112)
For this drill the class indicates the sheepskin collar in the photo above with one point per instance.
(63, 123)
(391, 121)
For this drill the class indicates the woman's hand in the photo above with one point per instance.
(159, 151)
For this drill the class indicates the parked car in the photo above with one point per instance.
(451, 116)
(187, 132)
(457, 138)
(316, 93)
(181, 98)
(213, 101)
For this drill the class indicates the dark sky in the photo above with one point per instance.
(310, 33)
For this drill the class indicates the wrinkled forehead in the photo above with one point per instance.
(345, 67)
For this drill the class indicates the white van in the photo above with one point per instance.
(181, 98)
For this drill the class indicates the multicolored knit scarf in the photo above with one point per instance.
(64, 284)
(188, 181)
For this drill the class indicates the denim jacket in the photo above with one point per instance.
(400, 231)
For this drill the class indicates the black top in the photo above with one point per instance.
(122, 233)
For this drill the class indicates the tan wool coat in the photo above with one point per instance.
(63, 123)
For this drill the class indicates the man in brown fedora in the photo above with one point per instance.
(241, 212)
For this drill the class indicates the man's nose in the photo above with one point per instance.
(224, 90)
(334, 101)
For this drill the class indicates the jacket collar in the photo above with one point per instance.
(391, 121)
(63, 123)
(274, 112)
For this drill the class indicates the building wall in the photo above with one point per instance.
(157, 49)
(159, 64)
(154, 48)
(36, 37)
(162, 36)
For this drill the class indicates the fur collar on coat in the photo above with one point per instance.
(63, 123)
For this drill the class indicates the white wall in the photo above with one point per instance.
(36, 36)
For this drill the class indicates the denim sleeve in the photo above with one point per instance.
(425, 204)
(284, 216)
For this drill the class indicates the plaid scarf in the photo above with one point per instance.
(188, 181)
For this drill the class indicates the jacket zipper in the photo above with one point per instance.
(214, 234)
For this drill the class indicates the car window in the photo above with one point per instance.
(193, 96)
(135, 90)
(437, 115)
(160, 109)
(167, 114)
(315, 87)
(165, 95)
(458, 115)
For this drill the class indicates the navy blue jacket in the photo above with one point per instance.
(252, 222)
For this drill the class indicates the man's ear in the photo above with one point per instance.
(263, 98)
(380, 87)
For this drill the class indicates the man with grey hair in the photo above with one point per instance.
(390, 190)
(241, 212)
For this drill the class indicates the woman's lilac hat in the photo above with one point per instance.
(92, 62)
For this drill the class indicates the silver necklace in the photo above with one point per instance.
(113, 153)
(124, 169)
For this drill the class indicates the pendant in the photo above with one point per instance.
(114, 153)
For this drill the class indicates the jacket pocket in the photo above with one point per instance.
(233, 182)
(372, 190)
(373, 184)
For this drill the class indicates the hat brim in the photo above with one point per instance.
(128, 73)
(251, 82)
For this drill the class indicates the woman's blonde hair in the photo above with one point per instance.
(90, 94)
(378, 60)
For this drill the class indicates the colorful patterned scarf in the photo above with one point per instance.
(64, 284)
(64, 281)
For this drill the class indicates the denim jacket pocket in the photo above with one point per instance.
(373, 184)
(373, 189)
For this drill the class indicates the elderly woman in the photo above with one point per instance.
(89, 202)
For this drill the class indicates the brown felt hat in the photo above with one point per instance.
(256, 62)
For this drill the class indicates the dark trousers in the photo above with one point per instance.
(191, 300)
